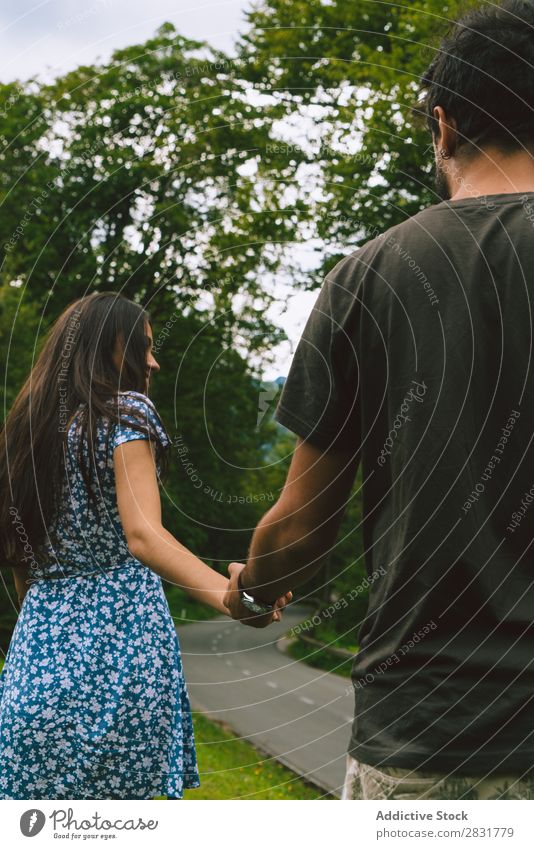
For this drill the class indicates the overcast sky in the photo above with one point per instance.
(57, 35)
(50, 37)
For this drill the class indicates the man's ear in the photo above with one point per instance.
(447, 136)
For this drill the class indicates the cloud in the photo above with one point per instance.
(54, 36)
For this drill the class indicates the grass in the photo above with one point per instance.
(319, 659)
(231, 768)
(327, 634)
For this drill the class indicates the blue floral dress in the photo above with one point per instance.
(93, 702)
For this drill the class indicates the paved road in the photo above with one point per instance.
(300, 715)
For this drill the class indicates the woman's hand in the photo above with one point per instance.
(232, 601)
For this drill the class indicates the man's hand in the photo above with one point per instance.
(232, 601)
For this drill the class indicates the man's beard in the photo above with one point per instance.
(440, 183)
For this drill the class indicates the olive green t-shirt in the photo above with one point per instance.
(418, 354)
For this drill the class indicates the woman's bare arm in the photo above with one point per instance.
(139, 504)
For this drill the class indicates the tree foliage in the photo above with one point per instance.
(347, 75)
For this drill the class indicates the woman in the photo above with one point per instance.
(93, 703)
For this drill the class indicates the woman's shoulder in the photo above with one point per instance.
(131, 402)
(138, 407)
(132, 398)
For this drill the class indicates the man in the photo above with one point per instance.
(417, 362)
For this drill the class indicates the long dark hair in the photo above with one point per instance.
(76, 367)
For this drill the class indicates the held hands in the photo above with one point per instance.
(232, 600)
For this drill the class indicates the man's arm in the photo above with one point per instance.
(293, 538)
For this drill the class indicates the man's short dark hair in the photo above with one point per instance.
(483, 77)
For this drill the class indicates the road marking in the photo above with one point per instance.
(349, 719)
(306, 700)
(228, 662)
(272, 684)
(246, 672)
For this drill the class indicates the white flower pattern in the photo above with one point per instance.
(93, 701)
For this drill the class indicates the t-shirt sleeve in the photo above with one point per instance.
(320, 398)
(136, 408)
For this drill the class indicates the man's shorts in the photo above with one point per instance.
(363, 781)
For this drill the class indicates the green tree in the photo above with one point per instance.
(208, 396)
(145, 175)
(347, 75)
(19, 340)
